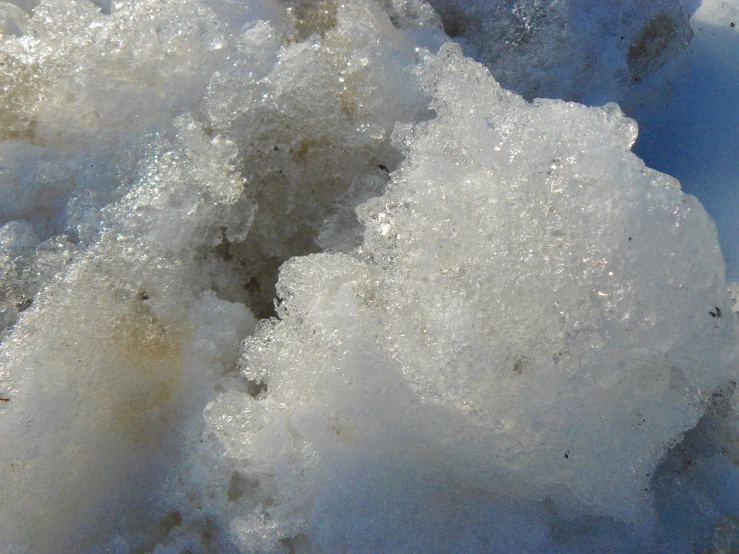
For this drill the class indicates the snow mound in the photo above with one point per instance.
(533, 314)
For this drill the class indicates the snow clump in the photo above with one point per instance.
(533, 314)
(496, 329)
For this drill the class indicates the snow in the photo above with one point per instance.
(687, 121)
(496, 328)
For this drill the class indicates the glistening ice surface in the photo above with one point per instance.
(495, 328)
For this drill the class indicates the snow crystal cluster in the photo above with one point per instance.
(312, 276)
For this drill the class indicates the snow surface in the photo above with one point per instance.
(688, 117)
(496, 329)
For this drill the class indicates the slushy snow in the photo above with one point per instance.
(311, 276)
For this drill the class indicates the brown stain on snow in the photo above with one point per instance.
(119, 373)
(150, 366)
(313, 18)
(660, 39)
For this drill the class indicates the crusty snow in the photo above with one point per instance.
(376, 276)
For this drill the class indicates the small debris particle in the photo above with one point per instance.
(4, 399)
(518, 367)
(732, 25)
(255, 388)
(383, 168)
(567, 455)
(23, 304)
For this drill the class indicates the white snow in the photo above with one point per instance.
(496, 328)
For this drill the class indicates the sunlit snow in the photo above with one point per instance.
(375, 276)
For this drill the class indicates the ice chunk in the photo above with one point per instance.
(552, 288)
(533, 313)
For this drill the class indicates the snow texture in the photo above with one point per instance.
(687, 117)
(548, 315)
(495, 328)
(591, 52)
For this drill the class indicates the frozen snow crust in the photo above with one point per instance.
(508, 334)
